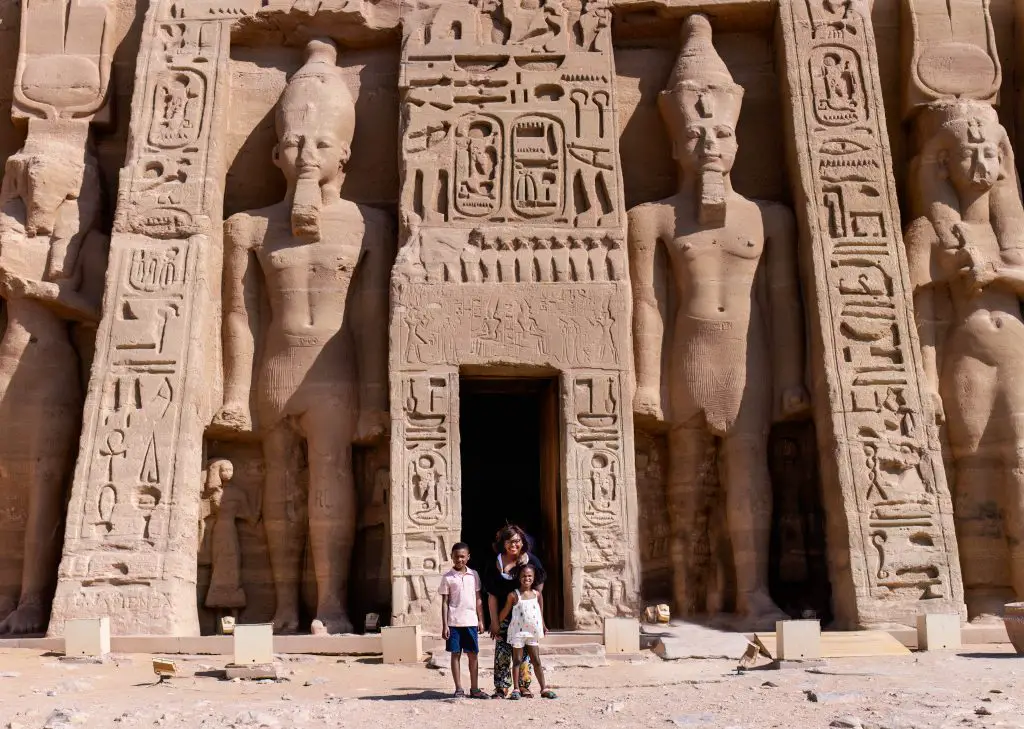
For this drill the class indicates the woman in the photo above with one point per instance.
(512, 548)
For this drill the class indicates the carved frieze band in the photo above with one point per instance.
(889, 469)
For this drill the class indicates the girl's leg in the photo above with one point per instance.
(524, 673)
(534, 653)
(517, 661)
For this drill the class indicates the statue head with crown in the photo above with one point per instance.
(701, 106)
(315, 123)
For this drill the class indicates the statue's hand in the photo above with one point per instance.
(647, 402)
(234, 417)
(934, 403)
(979, 276)
(795, 401)
(372, 425)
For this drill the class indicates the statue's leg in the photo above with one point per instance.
(748, 503)
(687, 448)
(332, 509)
(285, 522)
(50, 458)
(969, 398)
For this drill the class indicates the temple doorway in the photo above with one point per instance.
(511, 472)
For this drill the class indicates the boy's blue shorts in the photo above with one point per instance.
(462, 640)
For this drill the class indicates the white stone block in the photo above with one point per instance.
(798, 640)
(621, 635)
(938, 632)
(87, 637)
(254, 644)
(402, 644)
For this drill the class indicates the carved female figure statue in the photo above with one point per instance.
(966, 252)
(52, 264)
(733, 264)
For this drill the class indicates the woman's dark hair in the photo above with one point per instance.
(507, 532)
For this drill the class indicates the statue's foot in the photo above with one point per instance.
(335, 624)
(225, 598)
(759, 612)
(286, 623)
(7, 606)
(28, 619)
(987, 619)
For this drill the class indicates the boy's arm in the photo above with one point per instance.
(444, 616)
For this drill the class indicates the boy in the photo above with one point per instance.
(462, 618)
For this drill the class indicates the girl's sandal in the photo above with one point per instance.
(478, 694)
(526, 693)
(515, 696)
(548, 694)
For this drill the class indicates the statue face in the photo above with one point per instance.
(312, 152)
(974, 163)
(707, 145)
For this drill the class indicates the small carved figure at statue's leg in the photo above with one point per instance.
(285, 523)
(748, 498)
(332, 511)
(687, 449)
(225, 575)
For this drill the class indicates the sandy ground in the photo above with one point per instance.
(976, 687)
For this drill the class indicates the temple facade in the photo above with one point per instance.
(717, 299)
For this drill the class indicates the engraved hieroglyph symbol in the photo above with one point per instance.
(602, 507)
(478, 165)
(177, 108)
(427, 489)
(153, 270)
(537, 166)
(838, 85)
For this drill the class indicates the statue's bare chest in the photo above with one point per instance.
(719, 245)
(333, 257)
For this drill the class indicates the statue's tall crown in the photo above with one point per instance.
(318, 90)
(700, 86)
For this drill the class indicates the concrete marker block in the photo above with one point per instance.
(254, 644)
(937, 632)
(621, 635)
(87, 637)
(402, 644)
(798, 640)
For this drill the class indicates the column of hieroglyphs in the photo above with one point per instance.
(512, 253)
(892, 550)
(131, 541)
(52, 260)
(966, 250)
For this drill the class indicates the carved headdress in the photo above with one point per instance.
(317, 93)
(700, 86)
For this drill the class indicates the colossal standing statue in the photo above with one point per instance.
(323, 371)
(736, 349)
(52, 263)
(965, 246)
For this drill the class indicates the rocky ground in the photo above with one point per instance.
(976, 687)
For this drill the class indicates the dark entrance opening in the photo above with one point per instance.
(511, 473)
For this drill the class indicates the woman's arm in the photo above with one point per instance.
(492, 609)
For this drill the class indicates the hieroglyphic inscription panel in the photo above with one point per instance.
(426, 505)
(600, 497)
(888, 477)
(130, 550)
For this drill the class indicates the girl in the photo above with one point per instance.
(526, 628)
(512, 549)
